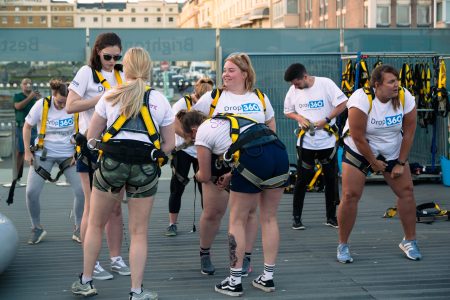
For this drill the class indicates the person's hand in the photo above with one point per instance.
(303, 122)
(378, 166)
(29, 157)
(73, 161)
(36, 94)
(320, 124)
(397, 171)
(224, 181)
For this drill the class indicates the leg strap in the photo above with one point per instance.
(270, 183)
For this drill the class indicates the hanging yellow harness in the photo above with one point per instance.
(188, 100)
(348, 79)
(215, 94)
(149, 125)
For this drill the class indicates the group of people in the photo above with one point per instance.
(123, 131)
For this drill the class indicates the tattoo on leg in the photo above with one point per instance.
(232, 247)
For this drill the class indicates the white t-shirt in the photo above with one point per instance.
(214, 134)
(83, 84)
(384, 124)
(315, 104)
(247, 105)
(159, 108)
(176, 107)
(60, 128)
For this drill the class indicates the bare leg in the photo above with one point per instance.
(85, 184)
(114, 228)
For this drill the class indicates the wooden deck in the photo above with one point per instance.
(306, 266)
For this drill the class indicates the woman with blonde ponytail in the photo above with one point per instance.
(127, 162)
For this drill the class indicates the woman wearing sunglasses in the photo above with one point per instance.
(85, 90)
(184, 156)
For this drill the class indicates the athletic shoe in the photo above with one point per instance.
(100, 273)
(145, 295)
(120, 267)
(171, 230)
(297, 224)
(332, 223)
(207, 268)
(76, 236)
(227, 289)
(264, 285)
(343, 254)
(37, 235)
(411, 249)
(86, 289)
(246, 268)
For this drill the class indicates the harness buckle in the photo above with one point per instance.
(227, 159)
(92, 144)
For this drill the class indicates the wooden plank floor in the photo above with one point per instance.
(306, 266)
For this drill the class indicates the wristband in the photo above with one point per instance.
(328, 120)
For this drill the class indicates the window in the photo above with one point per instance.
(383, 15)
(170, 19)
(403, 15)
(366, 16)
(30, 20)
(158, 19)
(95, 19)
(146, 9)
(171, 9)
(55, 19)
(29, 8)
(133, 10)
(17, 8)
(108, 19)
(68, 20)
(4, 20)
(447, 12)
(423, 15)
(43, 20)
(158, 9)
(146, 20)
(439, 9)
(292, 6)
(121, 19)
(82, 19)
(133, 20)
(43, 8)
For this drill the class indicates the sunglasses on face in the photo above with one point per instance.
(108, 57)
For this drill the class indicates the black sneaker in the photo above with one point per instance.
(227, 289)
(297, 224)
(207, 268)
(264, 285)
(332, 223)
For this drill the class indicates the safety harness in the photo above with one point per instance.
(133, 151)
(406, 77)
(364, 76)
(188, 100)
(348, 79)
(215, 94)
(442, 94)
(255, 135)
(40, 145)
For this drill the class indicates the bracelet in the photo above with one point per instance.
(328, 120)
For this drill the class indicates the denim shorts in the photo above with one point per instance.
(364, 164)
(140, 180)
(265, 161)
(84, 168)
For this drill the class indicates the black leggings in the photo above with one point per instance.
(305, 176)
(181, 161)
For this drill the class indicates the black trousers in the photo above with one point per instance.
(181, 162)
(305, 175)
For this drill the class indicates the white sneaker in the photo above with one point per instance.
(120, 267)
(100, 273)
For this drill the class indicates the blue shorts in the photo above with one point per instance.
(265, 161)
(19, 138)
(84, 168)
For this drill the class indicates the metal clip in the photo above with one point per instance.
(312, 129)
(92, 145)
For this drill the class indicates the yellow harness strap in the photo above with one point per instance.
(442, 79)
(188, 100)
(105, 83)
(348, 79)
(370, 96)
(215, 94)
(364, 74)
(46, 106)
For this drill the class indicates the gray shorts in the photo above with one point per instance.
(140, 180)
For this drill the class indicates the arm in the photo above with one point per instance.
(334, 113)
(301, 120)
(76, 104)
(409, 129)
(22, 104)
(168, 138)
(204, 164)
(358, 123)
(272, 124)
(96, 127)
(26, 143)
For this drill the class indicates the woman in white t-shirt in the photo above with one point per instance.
(127, 163)
(85, 90)
(238, 97)
(57, 149)
(258, 176)
(183, 158)
(381, 133)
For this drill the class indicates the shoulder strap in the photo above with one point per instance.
(188, 100)
(401, 96)
(215, 94)
(98, 78)
(46, 103)
(261, 98)
(370, 96)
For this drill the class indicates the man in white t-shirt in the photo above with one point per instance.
(314, 102)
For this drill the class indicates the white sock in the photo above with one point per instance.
(85, 279)
(235, 276)
(268, 272)
(136, 291)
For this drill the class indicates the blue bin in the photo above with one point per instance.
(339, 158)
(445, 167)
